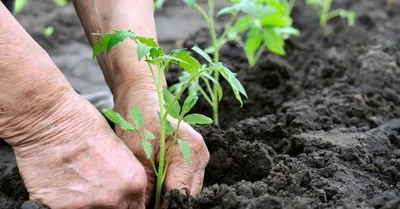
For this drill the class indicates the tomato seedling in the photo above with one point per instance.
(266, 23)
(169, 104)
(323, 7)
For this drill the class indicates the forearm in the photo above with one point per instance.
(30, 83)
(121, 66)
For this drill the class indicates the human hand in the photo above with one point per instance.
(180, 175)
(71, 158)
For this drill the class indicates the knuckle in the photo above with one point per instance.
(137, 183)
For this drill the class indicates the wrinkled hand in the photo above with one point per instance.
(180, 175)
(76, 161)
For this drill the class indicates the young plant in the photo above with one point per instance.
(169, 104)
(266, 24)
(323, 7)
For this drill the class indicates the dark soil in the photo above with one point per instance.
(320, 128)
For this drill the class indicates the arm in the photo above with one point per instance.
(31, 85)
(65, 150)
(120, 67)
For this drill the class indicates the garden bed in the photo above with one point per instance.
(319, 129)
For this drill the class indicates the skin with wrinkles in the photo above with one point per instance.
(65, 150)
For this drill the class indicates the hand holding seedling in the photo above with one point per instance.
(180, 175)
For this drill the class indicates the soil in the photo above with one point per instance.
(321, 126)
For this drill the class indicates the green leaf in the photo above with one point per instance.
(60, 3)
(48, 31)
(156, 52)
(190, 101)
(252, 44)
(19, 5)
(168, 128)
(228, 10)
(243, 24)
(148, 134)
(351, 18)
(286, 32)
(276, 20)
(142, 50)
(175, 108)
(101, 45)
(234, 82)
(194, 119)
(147, 148)
(158, 4)
(190, 3)
(185, 150)
(259, 11)
(136, 116)
(169, 58)
(273, 41)
(147, 41)
(117, 119)
(188, 63)
(119, 36)
(202, 53)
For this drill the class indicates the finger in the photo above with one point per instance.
(179, 175)
(197, 185)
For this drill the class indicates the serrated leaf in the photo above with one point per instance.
(188, 63)
(190, 3)
(117, 119)
(183, 78)
(148, 134)
(195, 118)
(147, 148)
(243, 24)
(175, 108)
(136, 116)
(155, 52)
(185, 150)
(273, 41)
(168, 128)
(202, 53)
(259, 11)
(119, 36)
(147, 41)
(252, 44)
(101, 45)
(190, 101)
(142, 50)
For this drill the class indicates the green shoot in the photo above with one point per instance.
(323, 7)
(169, 104)
(265, 23)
